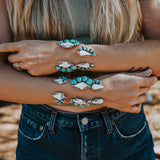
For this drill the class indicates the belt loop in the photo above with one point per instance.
(107, 122)
(51, 122)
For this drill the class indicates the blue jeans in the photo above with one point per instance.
(106, 134)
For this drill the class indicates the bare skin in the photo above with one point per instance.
(38, 90)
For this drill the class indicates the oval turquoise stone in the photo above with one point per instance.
(89, 81)
(76, 42)
(73, 67)
(66, 40)
(75, 104)
(70, 102)
(81, 106)
(79, 79)
(73, 81)
(56, 101)
(84, 47)
(72, 40)
(58, 68)
(63, 70)
(69, 70)
(92, 65)
(97, 81)
(80, 48)
(60, 42)
(86, 105)
(84, 78)
(93, 54)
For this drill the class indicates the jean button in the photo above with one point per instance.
(84, 121)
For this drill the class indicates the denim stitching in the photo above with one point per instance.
(133, 135)
(34, 139)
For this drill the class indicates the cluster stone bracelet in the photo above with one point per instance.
(83, 51)
(60, 99)
(79, 83)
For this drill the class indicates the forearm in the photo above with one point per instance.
(123, 57)
(22, 88)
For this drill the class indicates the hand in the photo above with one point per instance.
(37, 57)
(126, 91)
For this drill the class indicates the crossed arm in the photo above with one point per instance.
(37, 90)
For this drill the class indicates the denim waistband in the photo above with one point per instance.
(69, 119)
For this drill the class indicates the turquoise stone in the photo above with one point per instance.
(86, 105)
(100, 82)
(92, 65)
(59, 103)
(73, 67)
(62, 101)
(69, 70)
(91, 51)
(97, 81)
(87, 49)
(80, 48)
(72, 40)
(70, 102)
(60, 42)
(93, 81)
(56, 101)
(84, 78)
(93, 54)
(63, 70)
(84, 47)
(89, 81)
(76, 42)
(81, 106)
(79, 79)
(58, 68)
(66, 40)
(75, 104)
(73, 81)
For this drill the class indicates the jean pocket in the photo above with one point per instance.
(130, 126)
(32, 128)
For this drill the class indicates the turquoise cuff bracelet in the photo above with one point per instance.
(85, 82)
(68, 43)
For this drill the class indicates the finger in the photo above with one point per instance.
(17, 66)
(21, 57)
(147, 81)
(29, 64)
(39, 70)
(136, 108)
(141, 99)
(10, 47)
(146, 73)
(143, 90)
